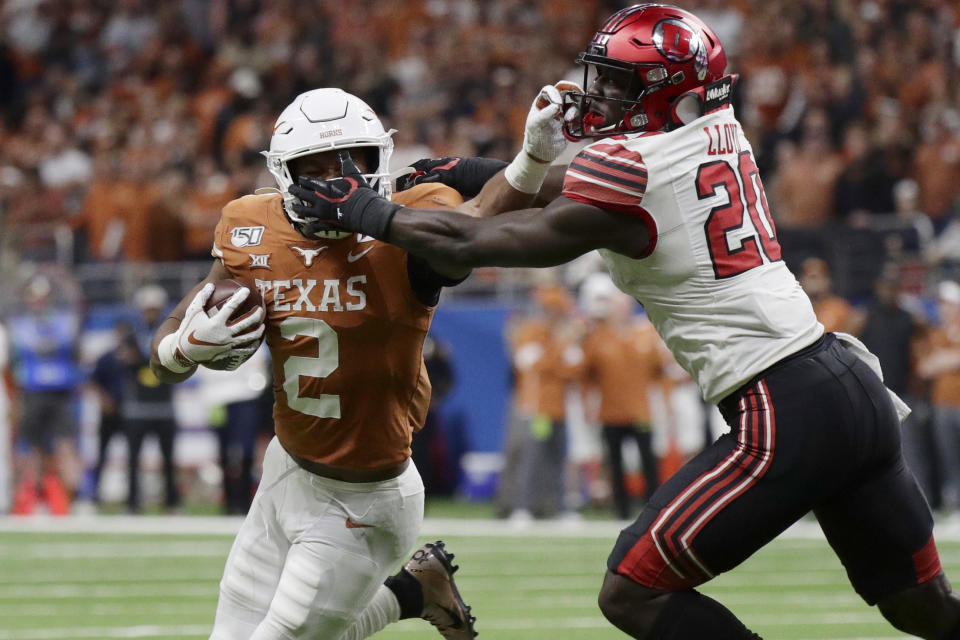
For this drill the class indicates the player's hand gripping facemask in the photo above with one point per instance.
(347, 203)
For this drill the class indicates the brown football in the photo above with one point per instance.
(224, 289)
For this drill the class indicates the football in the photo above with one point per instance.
(563, 87)
(222, 290)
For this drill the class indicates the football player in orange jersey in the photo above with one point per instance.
(340, 503)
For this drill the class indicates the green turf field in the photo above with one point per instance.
(64, 585)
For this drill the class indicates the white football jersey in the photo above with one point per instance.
(713, 283)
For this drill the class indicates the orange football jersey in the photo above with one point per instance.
(344, 328)
(542, 372)
(622, 363)
(946, 385)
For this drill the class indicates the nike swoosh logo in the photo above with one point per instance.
(353, 257)
(192, 339)
(353, 525)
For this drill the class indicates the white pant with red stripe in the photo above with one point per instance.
(313, 551)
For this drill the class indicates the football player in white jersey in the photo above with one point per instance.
(671, 196)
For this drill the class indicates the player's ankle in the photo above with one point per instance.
(409, 593)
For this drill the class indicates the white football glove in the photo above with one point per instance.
(231, 359)
(203, 339)
(543, 135)
(543, 139)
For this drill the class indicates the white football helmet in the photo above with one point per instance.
(322, 120)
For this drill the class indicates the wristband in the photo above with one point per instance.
(370, 214)
(526, 174)
(170, 356)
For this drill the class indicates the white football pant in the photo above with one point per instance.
(313, 551)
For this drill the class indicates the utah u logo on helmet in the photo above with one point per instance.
(679, 42)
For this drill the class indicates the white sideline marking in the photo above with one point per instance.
(141, 631)
(124, 549)
(114, 592)
(229, 525)
(947, 529)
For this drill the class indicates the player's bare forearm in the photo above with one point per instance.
(168, 326)
(172, 323)
(496, 197)
(455, 239)
(528, 238)
(552, 186)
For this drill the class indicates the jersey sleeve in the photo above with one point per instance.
(431, 195)
(426, 282)
(607, 175)
(241, 233)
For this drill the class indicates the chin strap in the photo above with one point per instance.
(689, 106)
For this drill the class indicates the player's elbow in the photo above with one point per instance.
(461, 250)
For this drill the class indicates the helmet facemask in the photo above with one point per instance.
(639, 79)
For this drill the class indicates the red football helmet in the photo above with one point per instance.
(656, 52)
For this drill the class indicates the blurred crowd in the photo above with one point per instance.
(126, 125)
(64, 378)
(137, 121)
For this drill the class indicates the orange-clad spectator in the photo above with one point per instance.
(207, 103)
(803, 189)
(936, 166)
(163, 223)
(546, 358)
(621, 363)
(940, 365)
(772, 56)
(107, 208)
(833, 311)
(212, 191)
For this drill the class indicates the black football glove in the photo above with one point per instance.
(343, 204)
(466, 175)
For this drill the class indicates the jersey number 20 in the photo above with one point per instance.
(734, 244)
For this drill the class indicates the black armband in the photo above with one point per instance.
(369, 213)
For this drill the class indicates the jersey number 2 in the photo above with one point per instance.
(735, 246)
(326, 362)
